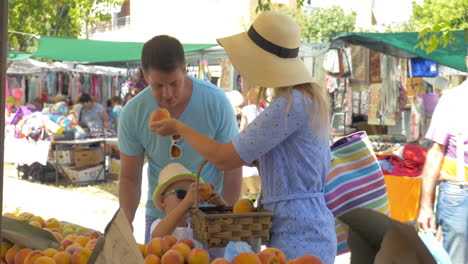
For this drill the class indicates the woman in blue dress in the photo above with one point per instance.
(289, 138)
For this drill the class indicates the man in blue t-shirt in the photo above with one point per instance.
(196, 103)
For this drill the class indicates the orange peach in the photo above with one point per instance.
(243, 206)
(91, 244)
(198, 256)
(220, 261)
(170, 239)
(172, 257)
(291, 261)
(62, 258)
(71, 237)
(82, 240)
(183, 249)
(157, 246)
(5, 247)
(152, 259)
(92, 234)
(143, 250)
(50, 252)
(32, 256)
(308, 259)
(11, 253)
(66, 242)
(205, 190)
(267, 257)
(71, 248)
(246, 258)
(38, 219)
(80, 256)
(53, 223)
(278, 253)
(160, 114)
(186, 241)
(22, 254)
(44, 260)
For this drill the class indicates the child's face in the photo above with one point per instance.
(170, 201)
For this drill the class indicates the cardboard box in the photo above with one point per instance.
(89, 157)
(64, 157)
(85, 175)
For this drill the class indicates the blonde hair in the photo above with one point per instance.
(319, 113)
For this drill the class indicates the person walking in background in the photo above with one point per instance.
(447, 161)
(116, 109)
(289, 138)
(110, 114)
(195, 102)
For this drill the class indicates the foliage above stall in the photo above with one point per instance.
(54, 18)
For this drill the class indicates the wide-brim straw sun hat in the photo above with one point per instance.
(268, 53)
(170, 174)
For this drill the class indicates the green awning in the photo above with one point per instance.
(94, 51)
(16, 55)
(403, 45)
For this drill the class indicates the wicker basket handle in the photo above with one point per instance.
(200, 168)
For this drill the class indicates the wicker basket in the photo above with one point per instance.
(216, 226)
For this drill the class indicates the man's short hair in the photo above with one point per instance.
(163, 53)
(84, 98)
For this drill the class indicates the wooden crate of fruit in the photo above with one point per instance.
(216, 226)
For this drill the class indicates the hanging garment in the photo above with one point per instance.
(374, 67)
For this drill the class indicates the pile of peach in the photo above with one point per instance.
(169, 250)
(75, 248)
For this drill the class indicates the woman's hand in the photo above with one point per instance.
(216, 199)
(166, 127)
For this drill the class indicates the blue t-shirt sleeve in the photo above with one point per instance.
(227, 128)
(271, 128)
(128, 140)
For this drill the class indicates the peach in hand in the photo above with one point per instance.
(160, 114)
(205, 190)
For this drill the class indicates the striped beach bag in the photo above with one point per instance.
(355, 180)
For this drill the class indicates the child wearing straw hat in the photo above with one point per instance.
(289, 138)
(175, 195)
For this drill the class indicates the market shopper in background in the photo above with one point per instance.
(116, 109)
(447, 161)
(93, 116)
(197, 103)
(289, 138)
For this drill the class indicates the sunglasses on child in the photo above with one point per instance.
(176, 150)
(180, 193)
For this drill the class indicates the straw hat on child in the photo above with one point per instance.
(170, 174)
(268, 53)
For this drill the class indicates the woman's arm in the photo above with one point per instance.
(222, 156)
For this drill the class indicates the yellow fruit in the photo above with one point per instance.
(243, 206)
